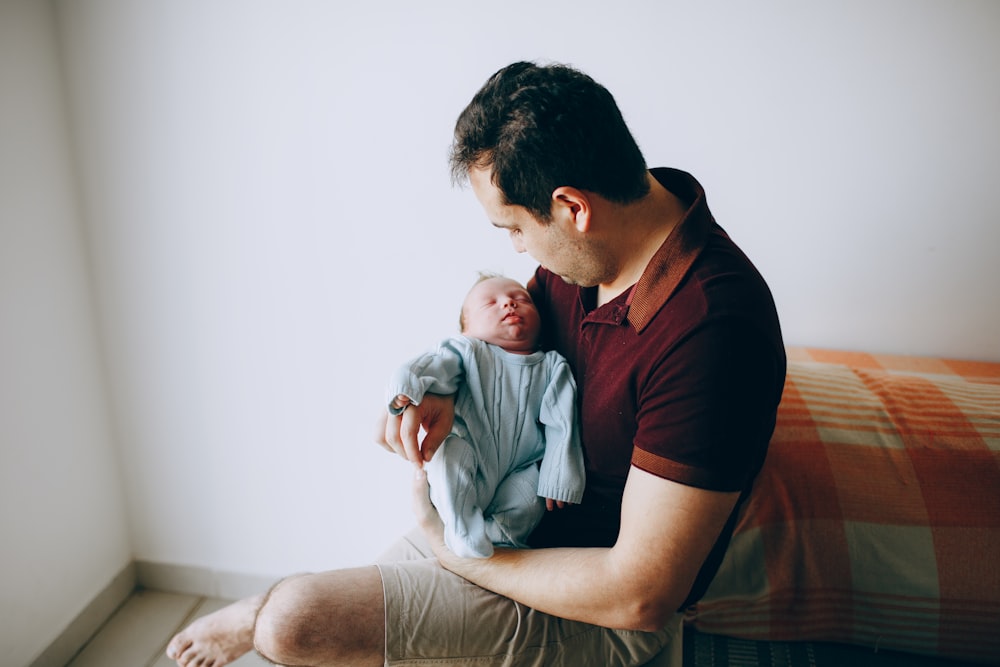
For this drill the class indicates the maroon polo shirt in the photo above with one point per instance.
(680, 375)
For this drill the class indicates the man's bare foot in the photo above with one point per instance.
(219, 638)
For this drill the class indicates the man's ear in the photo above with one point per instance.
(572, 204)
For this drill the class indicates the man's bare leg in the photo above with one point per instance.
(219, 638)
(331, 618)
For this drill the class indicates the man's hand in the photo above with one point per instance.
(401, 433)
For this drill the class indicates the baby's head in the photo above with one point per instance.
(500, 311)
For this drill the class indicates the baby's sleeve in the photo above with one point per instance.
(562, 476)
(438, 371)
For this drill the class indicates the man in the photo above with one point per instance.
(677, 353)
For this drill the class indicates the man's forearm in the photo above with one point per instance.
(582, 584)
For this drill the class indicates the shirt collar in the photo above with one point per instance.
(674, 258)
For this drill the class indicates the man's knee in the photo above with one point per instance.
(282, 629)
(330, 617)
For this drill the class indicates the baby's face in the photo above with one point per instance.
(500, 311)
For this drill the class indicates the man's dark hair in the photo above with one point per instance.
(542, 127)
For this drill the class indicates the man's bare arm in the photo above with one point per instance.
(667, 531)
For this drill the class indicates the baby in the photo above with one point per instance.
(514, 448)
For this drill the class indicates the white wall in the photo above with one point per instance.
(62, 520)
(273, 227)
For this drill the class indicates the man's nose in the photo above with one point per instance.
(518, 244)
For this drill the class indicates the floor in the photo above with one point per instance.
(137, 635)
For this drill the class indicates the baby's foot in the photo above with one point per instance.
(219, 638)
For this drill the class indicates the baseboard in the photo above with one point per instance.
(89, 621)
(190, 580)
(200, 581)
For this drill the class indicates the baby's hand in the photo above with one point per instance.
(555, 504)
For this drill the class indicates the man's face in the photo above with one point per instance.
(556, 245)
(500, 311)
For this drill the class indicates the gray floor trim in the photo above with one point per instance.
(89, 621)
(200, 580)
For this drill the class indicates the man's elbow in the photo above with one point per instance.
(649, 613)
(651, 622)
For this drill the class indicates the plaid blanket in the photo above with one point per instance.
(876, 517)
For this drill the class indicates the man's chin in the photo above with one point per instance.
(571, 280)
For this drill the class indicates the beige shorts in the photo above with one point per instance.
(434, 617)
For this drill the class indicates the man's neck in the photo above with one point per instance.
(647, 224)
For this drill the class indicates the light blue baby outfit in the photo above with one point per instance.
(511, 411)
